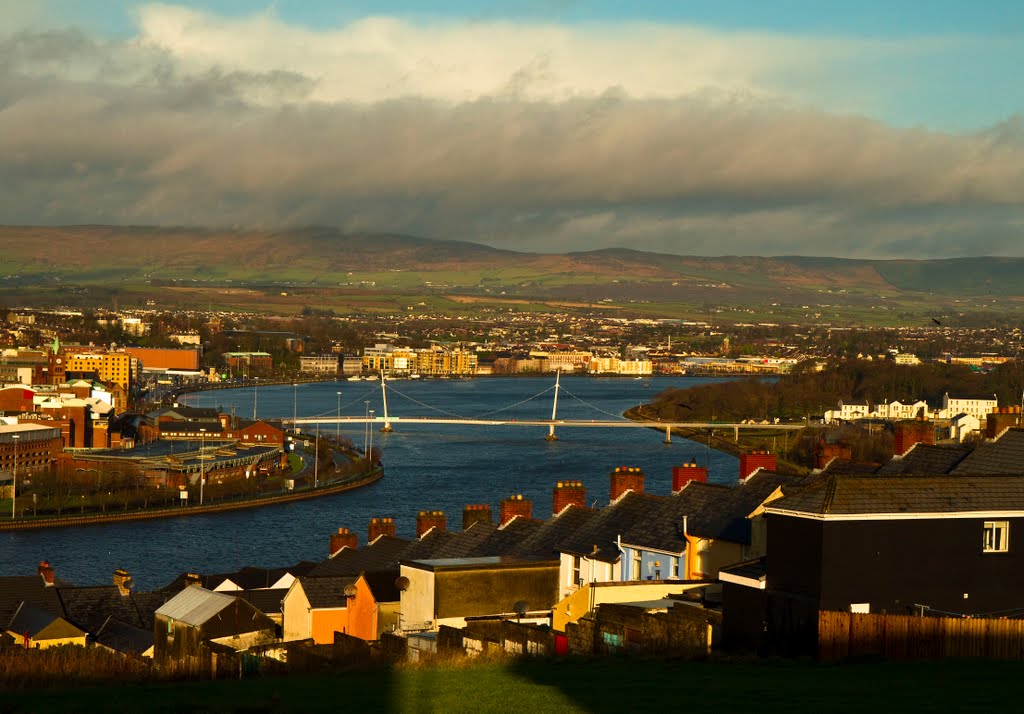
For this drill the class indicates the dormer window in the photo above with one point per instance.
(996, 537)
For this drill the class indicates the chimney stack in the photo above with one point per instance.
(476, 513)
(515, 506)
(428, 520)
(751, 462)
(46, 573)
(1000, 420)
(193, 579)
(908, 433)
(626, 478)
(123, 581)
(568, 493)
(381, 526)
(344, 538)
(681, 475)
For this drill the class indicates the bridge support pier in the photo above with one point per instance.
(668, 435)
(551, 434)
(386, 429)
(736, 434)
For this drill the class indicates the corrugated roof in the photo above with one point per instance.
(195, 605)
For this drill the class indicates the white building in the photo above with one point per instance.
(899, 410)
(963, 425)
(627, 367)
(853, 410)
(318, 364)
(978, 407)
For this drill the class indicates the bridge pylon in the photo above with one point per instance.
(554, 408)
(384, 395)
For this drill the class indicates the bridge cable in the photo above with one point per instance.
(424, 404)
(510, 406)
(618, 417)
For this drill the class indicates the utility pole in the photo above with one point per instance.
(316, 455)
(369, 454)
(202, 464)
(366, 425)
(14, 477)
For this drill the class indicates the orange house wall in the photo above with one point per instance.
(326, 623)
(363, 613)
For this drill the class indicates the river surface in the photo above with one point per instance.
(427, 467)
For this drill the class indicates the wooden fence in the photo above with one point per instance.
(906, 637)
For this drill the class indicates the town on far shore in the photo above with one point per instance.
(803, 552)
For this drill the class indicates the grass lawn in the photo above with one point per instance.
(599, 685)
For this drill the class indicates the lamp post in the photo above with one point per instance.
(316, 455)
(295, 405)
(14, 477)
(255, 395)
(337, 433)
(369, 454)
(202, 464)
(366, 425)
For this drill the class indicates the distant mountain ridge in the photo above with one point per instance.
(326, 256)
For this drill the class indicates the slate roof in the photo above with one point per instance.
(383, 554)
(248, 578)
(842, 466)
(326, 592)
(383, 587)
(195, 605)
(853, 495)
(1003, 456)
(598, 536)
(31, 620)
(925, 459)
(89, 607)
(711, 511)
(546, 540)
(30, 589)
(266, 600)
(123, 637)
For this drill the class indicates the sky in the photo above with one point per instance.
(778, 127)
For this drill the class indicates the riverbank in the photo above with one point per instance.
(305, 494)
(751, 439)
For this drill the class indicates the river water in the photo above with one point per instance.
(427, 467)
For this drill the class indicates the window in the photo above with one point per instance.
(996, 537)
(635, 574)
(674, 568)
(574, 576)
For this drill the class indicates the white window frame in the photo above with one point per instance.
(995, 537)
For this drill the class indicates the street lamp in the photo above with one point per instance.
(255, 395)
(202, 464)
(366, 424)
(14, 477)
(316, 455)
(295, 405)
(337, 433)
(369, 454)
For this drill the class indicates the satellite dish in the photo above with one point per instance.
(520, 608)
(350, 591)
(402, 583)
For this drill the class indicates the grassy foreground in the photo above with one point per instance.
(593, 685)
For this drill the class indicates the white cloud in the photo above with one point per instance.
(525, 136)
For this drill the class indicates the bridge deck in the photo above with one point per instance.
(624, 424)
